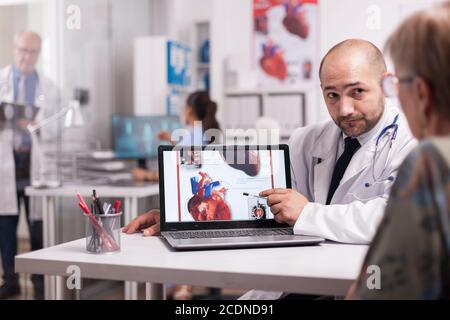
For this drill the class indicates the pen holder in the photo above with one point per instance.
(103, 234)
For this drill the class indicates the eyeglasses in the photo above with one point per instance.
(27, 51)
(391, 83)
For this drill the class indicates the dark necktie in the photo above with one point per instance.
(351, 145)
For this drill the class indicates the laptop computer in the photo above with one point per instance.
(209, 197)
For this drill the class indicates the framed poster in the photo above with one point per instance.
(286, 41)
(178, 56)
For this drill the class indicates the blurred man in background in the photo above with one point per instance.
(20, 85)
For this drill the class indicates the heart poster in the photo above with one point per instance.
(286, 41)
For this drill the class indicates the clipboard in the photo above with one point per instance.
(10, 112)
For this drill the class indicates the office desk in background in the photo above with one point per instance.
(326, 269)
(130, 194)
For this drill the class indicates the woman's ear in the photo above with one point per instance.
(424, 97)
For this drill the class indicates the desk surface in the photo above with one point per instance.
(69, 190)
(327, 269)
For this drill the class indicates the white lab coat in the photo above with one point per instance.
(47, 101)
(355, 210)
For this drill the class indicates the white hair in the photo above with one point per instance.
(19, 34)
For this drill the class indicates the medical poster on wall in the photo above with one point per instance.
(286, 41)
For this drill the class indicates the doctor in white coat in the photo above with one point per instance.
(21, 83)
(343, 169)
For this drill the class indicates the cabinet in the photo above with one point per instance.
(162, 75)
(202, 57)
(244, 107)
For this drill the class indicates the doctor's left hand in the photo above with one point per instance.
(285, 204)
(148, 223)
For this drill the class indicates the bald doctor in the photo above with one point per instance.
(343, 169)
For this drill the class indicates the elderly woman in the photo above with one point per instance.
(412, 245)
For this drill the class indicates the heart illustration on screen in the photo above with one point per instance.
(208, 200)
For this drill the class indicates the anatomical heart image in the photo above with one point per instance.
(272, 61)
(208, 199)
(295, 21)
(286, 41)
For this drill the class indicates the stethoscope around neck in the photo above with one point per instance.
(389, 132)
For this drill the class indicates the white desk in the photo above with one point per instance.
(131, 195)
(328, 269)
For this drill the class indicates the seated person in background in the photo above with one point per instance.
(199, 115)
(412, 245)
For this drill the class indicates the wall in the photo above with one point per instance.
(97, 57)
(12, 18)
(100, 54)
(230, 28)
(100, 58)
(183, 14)
(231, 34)
(130, 19)
(372, 20)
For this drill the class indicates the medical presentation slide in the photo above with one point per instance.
(213, 185)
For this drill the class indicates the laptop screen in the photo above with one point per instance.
(204, 186)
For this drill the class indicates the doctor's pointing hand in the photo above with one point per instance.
(285, 204)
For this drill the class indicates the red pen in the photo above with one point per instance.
(117, 205)
(109, 242)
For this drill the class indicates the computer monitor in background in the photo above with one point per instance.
(135, 137)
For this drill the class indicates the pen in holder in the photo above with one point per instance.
(103, 232)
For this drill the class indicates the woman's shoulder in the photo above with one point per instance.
(433, 150)
(427, 163)
(442, 146)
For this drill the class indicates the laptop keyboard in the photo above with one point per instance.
(230, 233)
